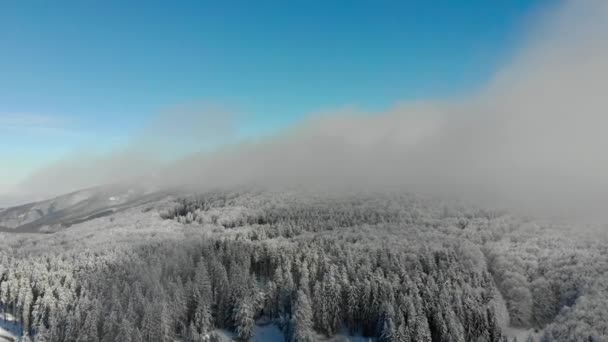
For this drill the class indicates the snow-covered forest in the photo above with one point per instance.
(386, 267)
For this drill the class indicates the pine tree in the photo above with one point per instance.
(302, 330)
(150, 326)
(89, 330)
(202, 318)
(243, 320)
(202, 285)
(125, 331)
(110, 327)
(421, 331)
(304, 283)
(43, 335)
(136, 336)
(352, 306)
(387, 329)
(331, 297)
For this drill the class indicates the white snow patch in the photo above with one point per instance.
(522, 334)
(224, 335)
(344, 336)
(261, 333)
(267, 333)
(270, 332)
(9, 328)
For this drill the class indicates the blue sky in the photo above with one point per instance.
(90, 74)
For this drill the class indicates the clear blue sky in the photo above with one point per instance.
(91, 73)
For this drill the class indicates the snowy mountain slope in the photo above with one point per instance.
(80, 206)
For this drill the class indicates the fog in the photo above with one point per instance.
(532, 139)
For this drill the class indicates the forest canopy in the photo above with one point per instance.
(393, 267)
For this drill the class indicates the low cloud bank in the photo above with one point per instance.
(534, 138)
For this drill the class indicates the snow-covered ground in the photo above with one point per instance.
(267, 333)
(261, 333)
(344, 337)
(9, 329)
(272, 333)
(522, 334)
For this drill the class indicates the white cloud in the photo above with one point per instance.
(533, 138)
(34, 124)
(27, 120)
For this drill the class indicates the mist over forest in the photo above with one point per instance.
(478, 217)
(533, 133)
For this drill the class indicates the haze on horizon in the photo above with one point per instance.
(531, 136)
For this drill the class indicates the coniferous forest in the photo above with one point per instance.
(304, 171)
(316, 267)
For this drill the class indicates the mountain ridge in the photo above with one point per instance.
(75, 207)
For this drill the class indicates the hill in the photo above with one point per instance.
(76, 207)
(384, 266)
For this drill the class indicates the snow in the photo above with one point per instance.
(267, 333)
(224, 335)
(261, 333)
(522, 334)
(272, 333)
(344, 337)
(9, 329)
(6, 335)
